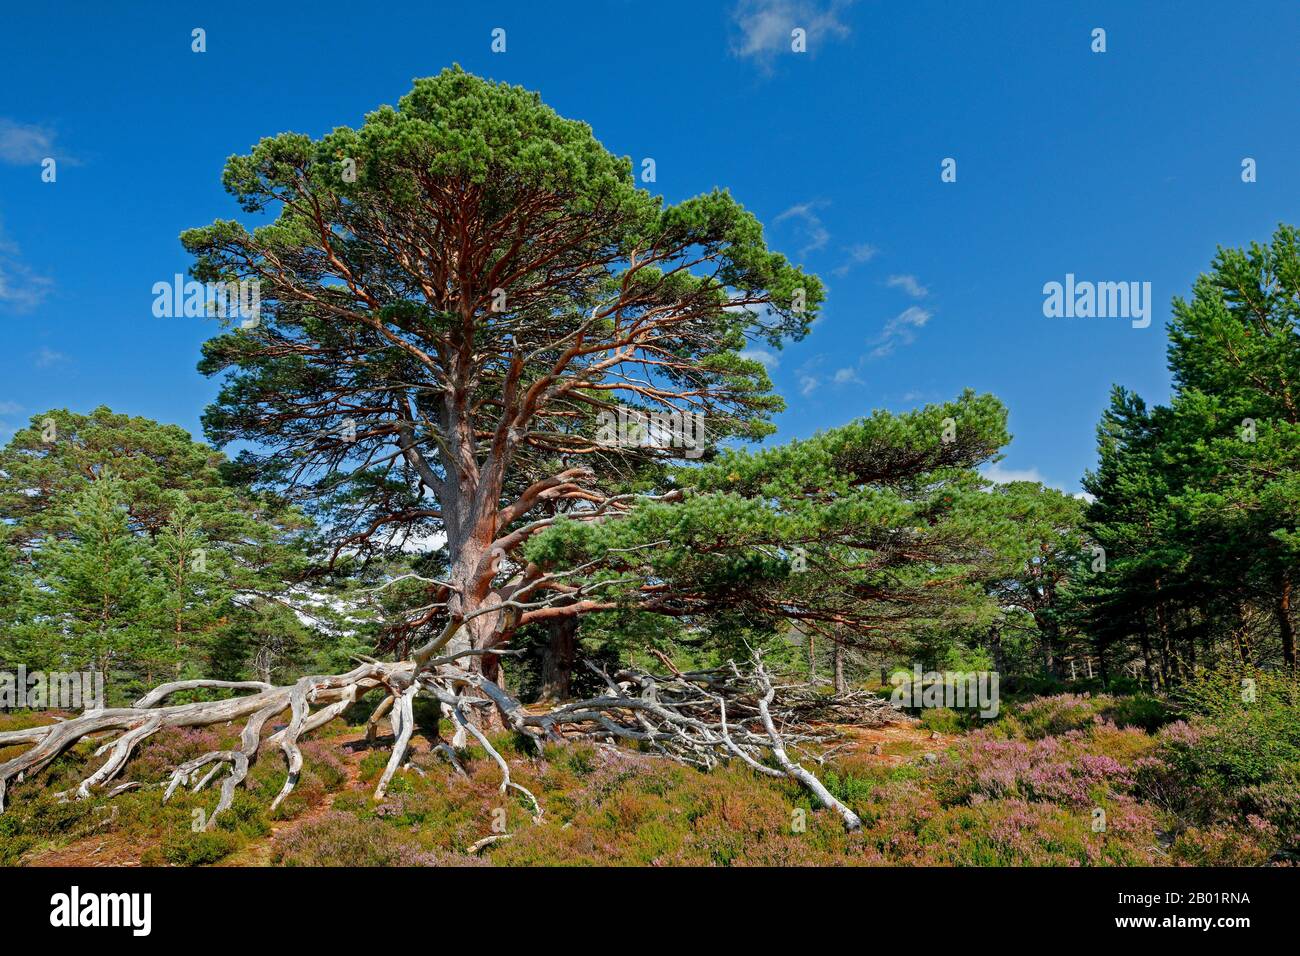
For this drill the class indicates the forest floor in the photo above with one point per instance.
(1025, 789)
(888, 746)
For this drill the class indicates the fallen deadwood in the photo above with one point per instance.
(700, 718)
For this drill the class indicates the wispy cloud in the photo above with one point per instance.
(901, 330)
(858, 254)
(46, 358)
(908, 284)
(8, 409)
(816, 372)
(768, 359)
(816, 235)
(999, 474)
(21, 289)
(21, 144)
(811, 374)
(764, 26)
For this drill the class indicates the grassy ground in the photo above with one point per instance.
(1066, 780)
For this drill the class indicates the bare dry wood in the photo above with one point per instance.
(701, 718)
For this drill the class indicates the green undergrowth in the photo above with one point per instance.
(1065, 780)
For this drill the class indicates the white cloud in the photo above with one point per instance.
(808, 384)
(901, 330)
(7, 409)
(765, 26)
(769, 360)
(21, 289)
(810, 223)
(858, 254)
(845, 376)
(999, 474)
(908, 284)
(47, 357)
(22, 144)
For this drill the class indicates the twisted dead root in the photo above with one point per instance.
(700, 718)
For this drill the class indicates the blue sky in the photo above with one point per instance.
(1115, 166)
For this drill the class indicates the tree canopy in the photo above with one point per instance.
(1198, 502)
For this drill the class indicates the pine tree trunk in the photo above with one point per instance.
(1166, 643)
(841, 686)
(1240, 637)
(1053, 662)
(559, 658)
(1285, 626)
(999, 653)
(1148, 667)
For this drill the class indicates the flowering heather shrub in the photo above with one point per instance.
(1234, 799)
(1039, 834)
(913, 829)
(1277, 809)
(1164, 778)
(666, 815)
(1244, 742)
(166, 750)
(324, 759)
(1219, 845)
(1053, 769)
(1207, 757)
(342, 839)
(1019, 791)
(1049, 716)
(992, 802)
